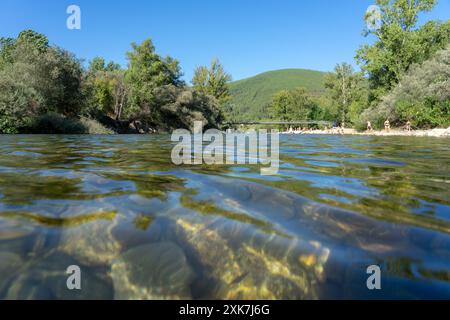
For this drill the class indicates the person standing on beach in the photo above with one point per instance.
(369, 126)
(387, 125)
(408, 126)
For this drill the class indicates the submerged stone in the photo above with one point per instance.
(142, 230)
(9, 263)
(250, 269)
(92, 243)
(46, 279)
(10, 230)
(154, 271)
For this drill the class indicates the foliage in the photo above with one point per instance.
(347, 90)
(251, 97)
(45, 89)
(17, 99)
(94, 127)
(400, 43)
(54, 123)
(182, 106)
(36, 79)
(40, 79)
(213, 81)
(108, 90)
(293, 105)
(422, 96)
(146, 72)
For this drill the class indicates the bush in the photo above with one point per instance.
(94, 127)
(17, 100)
(54, 123)
(180, 107)
(422, 96)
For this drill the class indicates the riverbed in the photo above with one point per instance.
(140, 227)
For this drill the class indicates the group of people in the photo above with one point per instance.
(341, 129)
(387, 126)
(298, 130)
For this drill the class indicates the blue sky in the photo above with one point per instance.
(248, 36)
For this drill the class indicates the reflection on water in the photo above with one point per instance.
(142, 228)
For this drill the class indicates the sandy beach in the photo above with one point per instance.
(394, 132)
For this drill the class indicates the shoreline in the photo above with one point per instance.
(439, 133)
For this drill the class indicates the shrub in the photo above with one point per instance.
(54, 123)
(94, 127)
(422, 96)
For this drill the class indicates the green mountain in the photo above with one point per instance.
(251, 96)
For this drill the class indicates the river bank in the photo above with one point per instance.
(394, 132)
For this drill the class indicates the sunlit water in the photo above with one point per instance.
(142, 228)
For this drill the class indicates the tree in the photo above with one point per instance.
(38, 79)
(213, 81)
(400, 43)
(181, 106)
(44, 89)
(107, 88)
(422, 96)
(29, 39)
(96, 65)
(280, 106)
(36, 40)
(345, 89)
(7, 46)
(294, 105)
(146, 72)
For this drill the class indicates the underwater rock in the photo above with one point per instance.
(92, 243)
(10, 230)
(46, 279)
(25, 241)
(9, 263)
(143, 230)
(253, 268)
(155, 271)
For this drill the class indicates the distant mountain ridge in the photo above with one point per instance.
(251, 96)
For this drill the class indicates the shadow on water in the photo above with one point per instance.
(143, 228)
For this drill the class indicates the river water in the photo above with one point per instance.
(140, 227)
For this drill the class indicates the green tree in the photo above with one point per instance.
(280, 106)
(96, 65)
(36, 40)
(346, 90)
(7, 46)
(213, 81)
(38, 79)
(422, 96)
(400, 42)
(146, 72)
(107, 88)
(181, 106)
(294, 105)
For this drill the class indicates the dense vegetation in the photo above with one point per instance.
(45, 89)
(251, 97)
(405, 75)
(422, 96)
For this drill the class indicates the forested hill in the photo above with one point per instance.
(251, 96)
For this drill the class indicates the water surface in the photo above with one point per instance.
(142, 228)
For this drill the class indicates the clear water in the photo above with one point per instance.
(142, 228)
